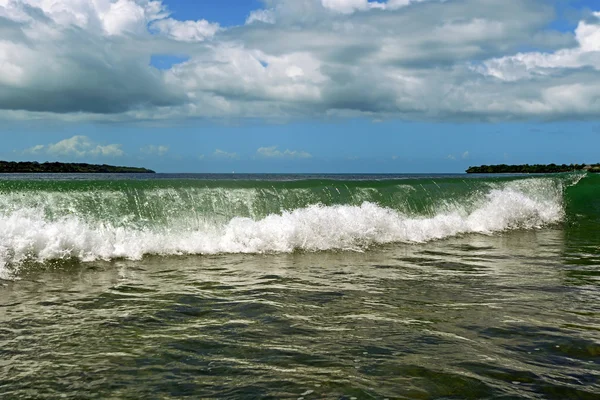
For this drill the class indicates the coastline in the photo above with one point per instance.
(532, 169)
(12, 167)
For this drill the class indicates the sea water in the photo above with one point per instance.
(299, 286)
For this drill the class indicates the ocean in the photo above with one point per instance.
(300, 286)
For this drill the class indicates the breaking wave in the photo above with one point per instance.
(90, 223)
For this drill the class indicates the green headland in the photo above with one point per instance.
(532, 169)
(60, 168)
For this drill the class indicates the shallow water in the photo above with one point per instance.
(512, 314)
(477, 317)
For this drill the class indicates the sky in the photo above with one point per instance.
(283, 86)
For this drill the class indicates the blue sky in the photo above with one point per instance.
(227, 13)
(302, 85)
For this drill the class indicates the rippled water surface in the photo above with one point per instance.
(319, 287)
(510, 316)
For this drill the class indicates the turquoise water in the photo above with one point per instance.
(299, 286)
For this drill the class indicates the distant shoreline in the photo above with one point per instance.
(11, 167)
(532, 169)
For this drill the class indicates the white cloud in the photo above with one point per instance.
(225, 155)
(110, 150)
(345, 6)
(151, 149)
(108, 17)
(187, 31)
(350, 6)
(266, 16)
(536, 64)
(273, 152)
(463, 156)
(413, 60)
(37, 149)
(78, 147)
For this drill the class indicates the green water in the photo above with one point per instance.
(285, 287)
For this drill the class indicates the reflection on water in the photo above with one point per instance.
(472, 317)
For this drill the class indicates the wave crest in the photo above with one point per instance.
(28, 235)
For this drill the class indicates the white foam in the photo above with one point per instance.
(27, 235)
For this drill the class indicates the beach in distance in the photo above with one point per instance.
(11, 167)
(533, 169)
(290, 286)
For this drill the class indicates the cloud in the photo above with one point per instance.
(37, 149)
(151, 149)
(273, 152)
(351, 6)
(347, 6)
(71, 56)
(454, 60)
(187, 31)
(78, 147)
(265, 16)
(523, 66)
(225, 155)
(463, 156)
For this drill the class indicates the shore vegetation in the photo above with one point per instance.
(60, 168)
(532, 169)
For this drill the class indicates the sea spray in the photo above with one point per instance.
(101, 224)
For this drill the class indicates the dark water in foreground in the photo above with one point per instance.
(456, 288)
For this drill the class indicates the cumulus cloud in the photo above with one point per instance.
(265, 16)
(350, 6)
(151, 149)
(78, 147)
(187, 31)
(347, 6)
(224, 155)
(523, 66)
(410, 59)
(72, 56)
(274, 152)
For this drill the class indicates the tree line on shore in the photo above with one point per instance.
(59, 168)
(532, 169)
